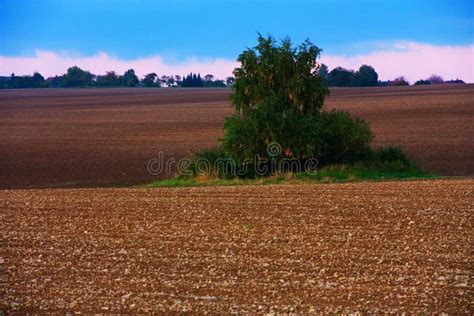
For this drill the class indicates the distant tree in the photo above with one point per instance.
(455, 81)
(37, 80)
(54, 82)
(399, 81)
(366, 77)
(130, 79)
(229, 81)
(76, 77)
(164, 80)
(435, 79)
(110, 79)
(324, 72)
(170, 82)
(422, 82)
(149, 80)
(209, 77)
(192, 80)
(340, 77)
(178, 80)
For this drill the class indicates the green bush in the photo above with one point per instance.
(346, 138)
(392, 154)
(212, 163)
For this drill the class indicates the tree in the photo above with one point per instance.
(170, 81)
(366, 77)
(340, 77)
(422, 82)
(37, 80)
(229, 81)
(130, 79)
(324, 72)
(76, 77)
(279, 95)
(209, 77)
(149, 80)
(110, 79)
(399, 81)
(435, 79)
(192, 80)
(178, 80)
(54, 82)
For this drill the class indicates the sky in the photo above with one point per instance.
(413, 38)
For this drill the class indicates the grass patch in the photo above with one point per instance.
(329, 174)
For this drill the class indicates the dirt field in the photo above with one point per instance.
(393, 246)
(93, 138)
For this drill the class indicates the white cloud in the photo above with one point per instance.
(414, 61)
(411, 59)
(50, 63)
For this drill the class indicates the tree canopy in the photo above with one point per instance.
(279, 95)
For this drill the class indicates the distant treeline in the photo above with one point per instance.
(77, 77)
(366, 76)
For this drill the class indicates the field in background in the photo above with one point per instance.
(367, 246)
(104, 137)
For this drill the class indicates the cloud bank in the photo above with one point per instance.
(410, 59)
(414, 61)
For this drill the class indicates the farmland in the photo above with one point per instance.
(105, 137)
(72, 241)
(386, 246)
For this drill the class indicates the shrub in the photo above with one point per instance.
(211, 163)
(345, 138)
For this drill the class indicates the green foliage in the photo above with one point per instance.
(229, 81)
(391, 154)
(130, 79)
(211, 162)
(422, 82)
(323, 72)
(110, 79)
(76, 77)
(192, 80)
(19, 82)
(364, 171)
(149, 80)
(279, 94)
(345, 138)
(366, 77)
(340, 77)
(280, 75)
(399, 81)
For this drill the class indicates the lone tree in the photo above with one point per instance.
(279, 94)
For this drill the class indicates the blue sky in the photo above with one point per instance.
(212, 28)
(179, 30)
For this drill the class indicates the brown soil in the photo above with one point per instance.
(368, 247)
(105, 137)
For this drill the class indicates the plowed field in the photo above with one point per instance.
(387, 246)
(105, 137)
